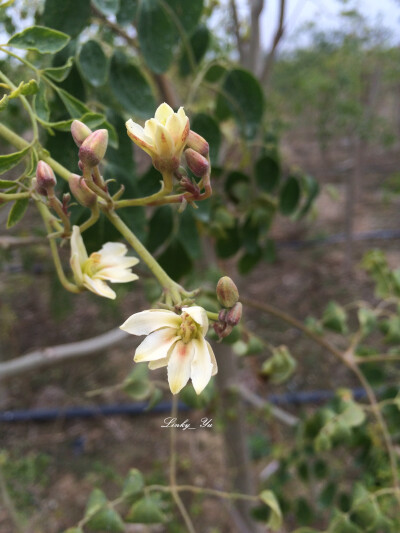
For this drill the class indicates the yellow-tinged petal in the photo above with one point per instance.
(174, 126)
(199, 315)
(98, 287)
(116, 275)
(77, 245)
(145, 322)
(76, 269)
(163, 112)
(156, 345)
(179, 366)
(202, 368)
(139, 137)
(213, 360)
(114, 249)
(160, 363)
(163, 141)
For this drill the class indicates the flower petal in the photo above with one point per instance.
(174, 126)
(199, 315)
(76, 269)
(163, 112)
(160, 363)
(139, 137)
(114, 249)
(145, 322)
(179, 365)
(77, 245)
(98, 287)
(213, 360)
(116, 275)
(156, 345)
(202, 368)
(163, 141)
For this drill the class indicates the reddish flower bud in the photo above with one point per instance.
(80, 132)
(197, 143)
(227, 292)
(45, 178)
(81, 191)
(222, 330)
(94, 148)
(197, 163)
(234, 315)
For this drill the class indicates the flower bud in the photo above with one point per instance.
(234, 314)
(222, 330)
(81, 191)
(227, 292)
(94, 148)
(197, 143)
(197, 163)
(80, 132)
(45, 178)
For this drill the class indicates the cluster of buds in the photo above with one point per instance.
(230, 316)
(44, 183)
(92, 148)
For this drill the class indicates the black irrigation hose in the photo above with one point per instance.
(42, 415)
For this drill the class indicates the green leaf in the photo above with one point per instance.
(8, 161)
(106, 520)
(229, 243)
(93, 63)
(249, 260)
(17, 212)
(107, 7)
(208, 128)
(39, 38)
(75, 107)
(145, 511)
(130, 87)
(275, 519)
(127, 12)
(367, 320)
(234, 192)
(335, 318)
(133, 484)
(289, 196)
(280, 366)
(73, 530)
(136, 384)
(243, 97)
(310, 187)
(97, 501)
(158, 28)
(40, 103)
(353, 415)
(168, 260)
(155, 398)
(59, 73)
(160, 227)
(70, 17)
(188, 235)
(268, 173)
(198, 43)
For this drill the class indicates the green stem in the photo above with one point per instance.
(165, 281)
(14, 196)
(208, 492)
(94, 217)
(71, 287)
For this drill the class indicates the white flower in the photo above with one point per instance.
(176, 342)
(109, 263)
(163, 137)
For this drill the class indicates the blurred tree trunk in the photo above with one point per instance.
(232, 414)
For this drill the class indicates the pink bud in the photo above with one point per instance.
(197, 143)
(81, 191)
(197, 163)
(227, 292)
(234, 315)
(45, 178)
(79, 132)
(94, 148)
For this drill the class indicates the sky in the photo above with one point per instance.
(325, 14)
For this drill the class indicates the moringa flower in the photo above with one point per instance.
(163, 137)
(176, 342)
(109, 263)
